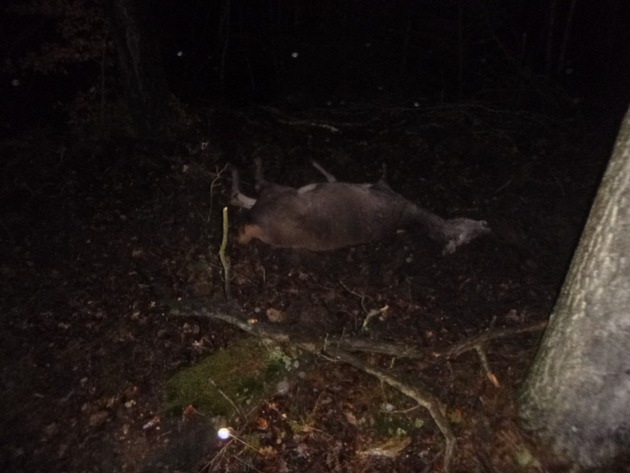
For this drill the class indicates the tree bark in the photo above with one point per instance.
(577, 394)
(141, 67)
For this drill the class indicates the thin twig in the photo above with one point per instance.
(424, 399)
(240, 413)
(486, 366)
(225, 260)
(472, 343)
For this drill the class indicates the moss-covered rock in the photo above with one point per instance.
(230, 380)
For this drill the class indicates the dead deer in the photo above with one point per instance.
(329, 215)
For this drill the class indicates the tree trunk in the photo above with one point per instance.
(577, 394)
(140, 65)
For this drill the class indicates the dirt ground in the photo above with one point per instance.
(99, 239)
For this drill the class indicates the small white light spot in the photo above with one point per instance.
(224, 433)
(294, 54)
(15, 82)
(180, 53)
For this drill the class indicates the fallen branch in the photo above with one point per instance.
(473, 342)
(424, 399)
(339, 347)
(326, 349)
(198, 307)
(478, 343)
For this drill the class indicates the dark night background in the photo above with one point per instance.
(118, 119)
(540, 55)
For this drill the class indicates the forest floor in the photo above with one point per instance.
(101, 239)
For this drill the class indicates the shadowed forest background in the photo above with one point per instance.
(118, 122)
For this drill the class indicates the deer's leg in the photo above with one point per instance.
(320, 168)
(237, 198)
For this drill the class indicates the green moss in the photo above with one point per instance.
(240, 375)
